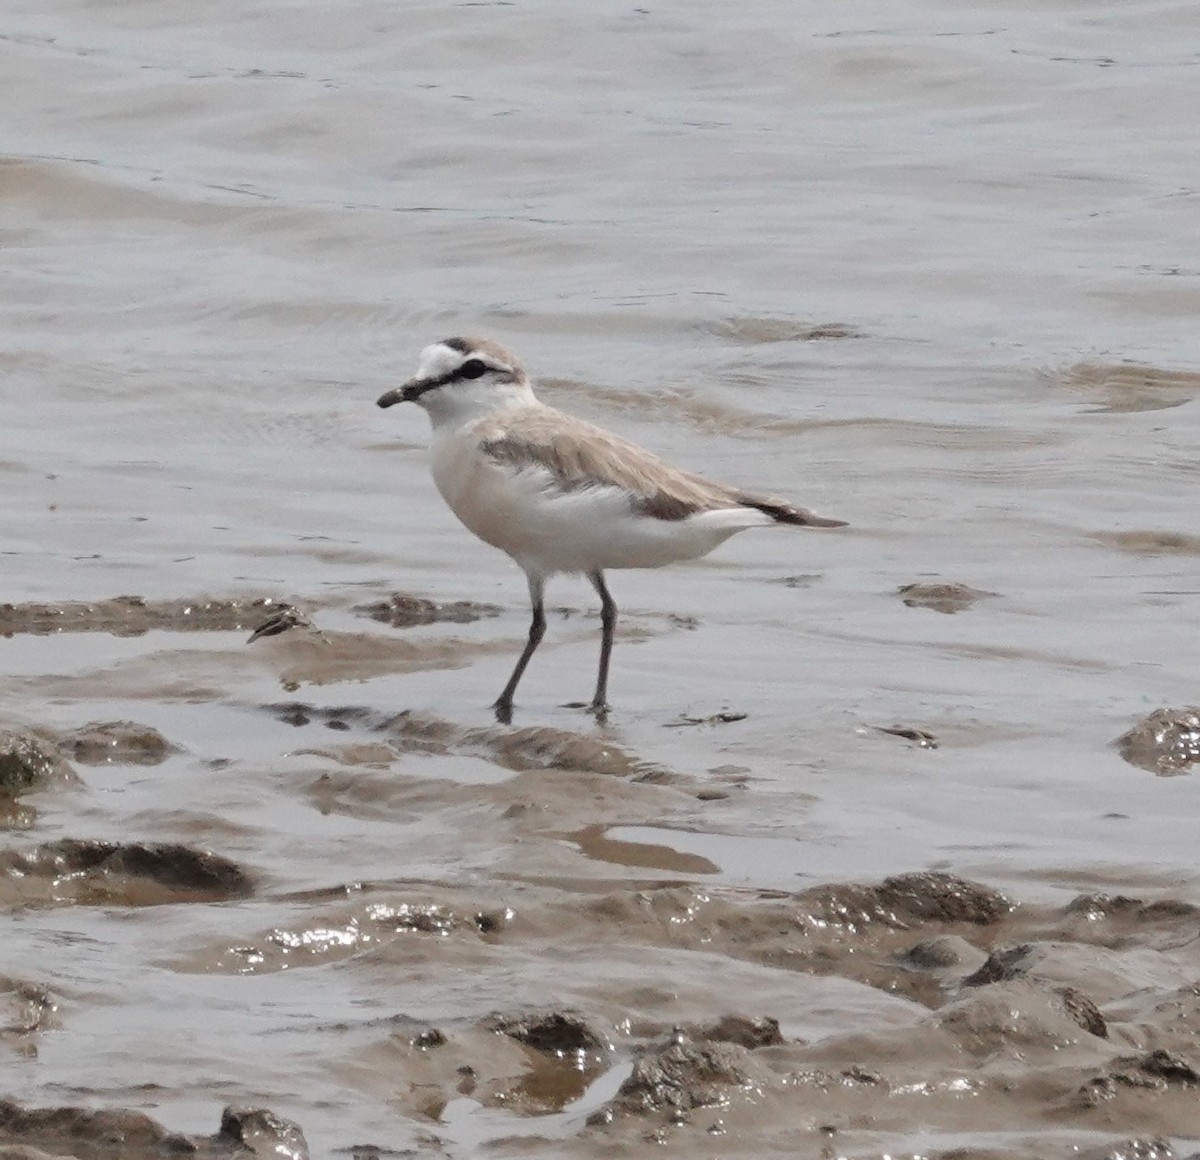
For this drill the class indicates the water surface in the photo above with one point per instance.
(926, 267)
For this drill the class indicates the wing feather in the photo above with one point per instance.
(580, 455)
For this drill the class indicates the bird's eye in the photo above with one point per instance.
(472, 369)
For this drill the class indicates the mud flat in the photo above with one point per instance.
(547, 978)
(36, 1133)
(888, 847)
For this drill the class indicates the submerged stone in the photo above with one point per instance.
(132, 873)
(120, 1134)
(401, 610)
(1082, 1008)
(285, 617)
(73, 1131)
(117, 743)
(1166, 742)
(553, 1032)
(134, 615)
(751, 1033)
(262, 1133)
(906, 900)
(947, 598)
(681, 1076)
(24, 1008)
(941, 953)
(1002, 964)
(28, 762)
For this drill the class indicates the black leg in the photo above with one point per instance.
(608, 623)
(537, 629)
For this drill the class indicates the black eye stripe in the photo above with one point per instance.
(473, 368)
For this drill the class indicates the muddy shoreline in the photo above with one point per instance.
(887, 847)
(953, 980)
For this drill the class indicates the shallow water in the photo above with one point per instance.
(929, 268)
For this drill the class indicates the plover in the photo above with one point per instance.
(562, 495)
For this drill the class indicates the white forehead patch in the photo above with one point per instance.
(438, 360)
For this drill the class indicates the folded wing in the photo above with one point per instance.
(577, 455)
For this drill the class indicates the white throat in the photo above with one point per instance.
(464, 402)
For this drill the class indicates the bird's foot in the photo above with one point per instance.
(503, 709)
(599, 710)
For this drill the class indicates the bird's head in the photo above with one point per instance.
(458, 377)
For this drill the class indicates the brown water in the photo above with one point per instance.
(931, 268)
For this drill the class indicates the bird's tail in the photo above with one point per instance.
(786, 513)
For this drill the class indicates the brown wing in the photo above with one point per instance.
(580, 455)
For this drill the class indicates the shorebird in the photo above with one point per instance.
(562, 495)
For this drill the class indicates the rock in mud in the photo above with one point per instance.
(1171, 1068)
(1156, 1071)
(1099, 906)
(135, 874)
(523, 749)
(1022, 1015)
(341, 720)
(1084, 1011)
(942, 953)
(1135, 1149)
(764, 330)
(539, 747)
(1124, 387)
(1080, 1008)
(25, 1006)
(120, 1134)
(947, 598)
(29, 762)
(723, 717)
(1002, 964)
(284, 618)
(854, 1076)
(1166, 742)
(936, 897)
(1123, 917)
(134, 615)
(560, 1033)
(1045, 963)
(751, 1034)
(921, 738)
(117, 743)
(84, 1132)
(907, 900)
(1156, 542)
(428, 1039)
(855, 930)
(16, 814)
(333, 935)
(682, 1075)
(403, 611)
(533, 747)
(262, 1133)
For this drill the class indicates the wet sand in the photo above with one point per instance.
(540, 937)
(888, 847)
